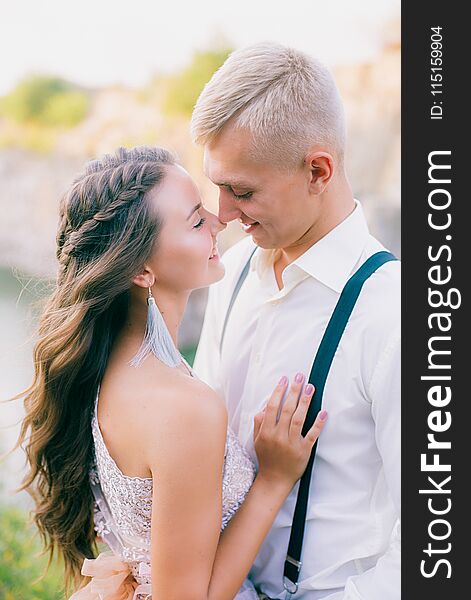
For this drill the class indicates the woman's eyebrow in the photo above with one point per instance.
(194, 209)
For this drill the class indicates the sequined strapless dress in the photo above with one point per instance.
(129, 500)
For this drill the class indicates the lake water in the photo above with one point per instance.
(18, 293)
(19, 297)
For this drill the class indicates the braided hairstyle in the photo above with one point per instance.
(107, 231)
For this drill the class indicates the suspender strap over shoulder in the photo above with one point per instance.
(318, 377)
(235, 293)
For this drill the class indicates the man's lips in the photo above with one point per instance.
(249, 227)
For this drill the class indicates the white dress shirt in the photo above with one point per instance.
(351, 544)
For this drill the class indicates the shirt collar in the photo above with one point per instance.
(330, 260)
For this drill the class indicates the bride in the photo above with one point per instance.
(124, 443)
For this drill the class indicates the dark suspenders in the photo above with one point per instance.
(235, 293)
(318, 376)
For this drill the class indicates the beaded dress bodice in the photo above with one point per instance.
(129, 499)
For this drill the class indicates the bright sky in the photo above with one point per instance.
(100, 42)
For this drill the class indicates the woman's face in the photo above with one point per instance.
(185, 256)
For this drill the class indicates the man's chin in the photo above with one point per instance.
(265, 244)
(260, 238)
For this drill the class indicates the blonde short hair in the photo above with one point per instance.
(285, 98)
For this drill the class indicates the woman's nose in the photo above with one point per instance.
(216, 225)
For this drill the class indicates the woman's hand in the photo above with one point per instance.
(282, 451)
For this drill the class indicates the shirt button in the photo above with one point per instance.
(257, 358)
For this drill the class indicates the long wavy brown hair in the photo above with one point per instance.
(107, 231)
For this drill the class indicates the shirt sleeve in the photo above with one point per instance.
(384, 579)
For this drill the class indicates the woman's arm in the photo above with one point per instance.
(243, 536)
(190, 559)
(187, 493)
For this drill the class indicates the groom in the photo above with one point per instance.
(272, 125)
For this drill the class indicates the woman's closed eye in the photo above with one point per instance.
(200, 223)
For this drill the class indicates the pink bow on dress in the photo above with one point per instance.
(112, 579)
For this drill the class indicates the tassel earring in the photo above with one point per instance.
(157, 338)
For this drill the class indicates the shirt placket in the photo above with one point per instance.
(273, 296)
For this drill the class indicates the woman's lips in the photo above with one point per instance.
(215, 254)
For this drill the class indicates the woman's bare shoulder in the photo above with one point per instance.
(180, 407)
(180, 394)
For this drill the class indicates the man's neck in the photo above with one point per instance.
(325, 225)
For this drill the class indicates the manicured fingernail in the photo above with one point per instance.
(323, 415)
(283, 380)
(299, 378)
(309, 389)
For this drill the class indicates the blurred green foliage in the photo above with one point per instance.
(31, 137)
(20, 561)
(46, 101)
(183, 89)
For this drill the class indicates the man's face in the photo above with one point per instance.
(275, 206)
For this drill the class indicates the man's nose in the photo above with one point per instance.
(217, 226)
(228, 210)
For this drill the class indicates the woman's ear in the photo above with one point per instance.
(145, 278)
(321, 169)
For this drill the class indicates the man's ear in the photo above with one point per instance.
(321, 169)
(145, 278)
